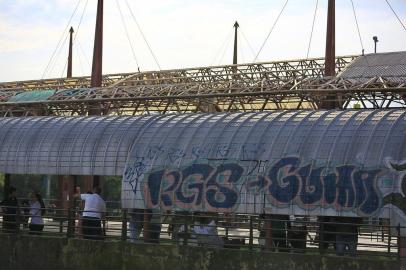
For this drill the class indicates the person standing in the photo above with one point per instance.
(136, 224)
(93, 215)
(347, 235)
(11, 212)
(206, 231)
(37, 211)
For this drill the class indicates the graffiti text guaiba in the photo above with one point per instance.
(287, 182)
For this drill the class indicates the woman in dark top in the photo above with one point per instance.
(10, 209)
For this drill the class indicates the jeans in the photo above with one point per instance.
(136, 225)
(346, 243)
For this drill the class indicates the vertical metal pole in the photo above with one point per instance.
(96, 181)
(71, 224)
(186, 238)
(235, 55)
(330, 64)
(321, 235)
(69, 74)
(389, 241)
(330, 68)
(97, 66)
(268, 232)
(251, 241)
(375, 38)
(399, 241)
(60, 225)
(146, 225)
(124, 226)
(6, 187)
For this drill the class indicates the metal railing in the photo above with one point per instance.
(262, 233)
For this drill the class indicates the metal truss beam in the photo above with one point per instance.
(298, 84)
(248, 101)
(216, 75)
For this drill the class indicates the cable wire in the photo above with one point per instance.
(80, 21)
(80, 60)
(311, 33)
(394, 12)
(270, 32)
(246, 40)
(60, 40)
(224, 52)
(76, 34)
(241, 51)
(142, 34)
(84, 54)
(356, 22)
(64, 68)
(224, 43)
(74, 37)
(127, 34)
(58, 55)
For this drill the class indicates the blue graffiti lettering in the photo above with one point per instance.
(193, 178)
(287, 182)
(284, 188)
(220, 189)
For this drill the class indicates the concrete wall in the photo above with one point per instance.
(24, 252)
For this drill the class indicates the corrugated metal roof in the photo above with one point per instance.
(37, 95)
(389, 65)
(101, 145)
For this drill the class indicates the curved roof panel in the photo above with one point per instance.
(103, 145)
(390, 65)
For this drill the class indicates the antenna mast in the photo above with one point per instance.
(97, 66)
(69, 74)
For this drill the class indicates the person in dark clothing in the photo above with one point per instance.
(279, 226)
(327, 233)
(25, 211)
(347, 235)
(298, 233)
(10, 209)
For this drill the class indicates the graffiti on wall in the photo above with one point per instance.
(288, 181)
(138, 166)
(222, 183)
(397, 198)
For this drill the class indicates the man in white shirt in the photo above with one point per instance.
(93, 214)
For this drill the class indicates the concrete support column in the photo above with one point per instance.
(87, 182)
(402, 247)
(96, 181)
(66, 186)
(268, 232)
(7, 178)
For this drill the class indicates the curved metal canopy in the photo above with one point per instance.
(103, 145)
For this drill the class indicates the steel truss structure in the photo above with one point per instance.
(60, 83)
(298, 84)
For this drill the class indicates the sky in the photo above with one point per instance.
(184, 33)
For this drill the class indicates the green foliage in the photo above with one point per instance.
(27, 184)
(48, 187)
(112, 189)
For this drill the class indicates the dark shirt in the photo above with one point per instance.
(10, 209)
(348, 225)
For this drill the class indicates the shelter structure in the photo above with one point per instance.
(333, 162)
